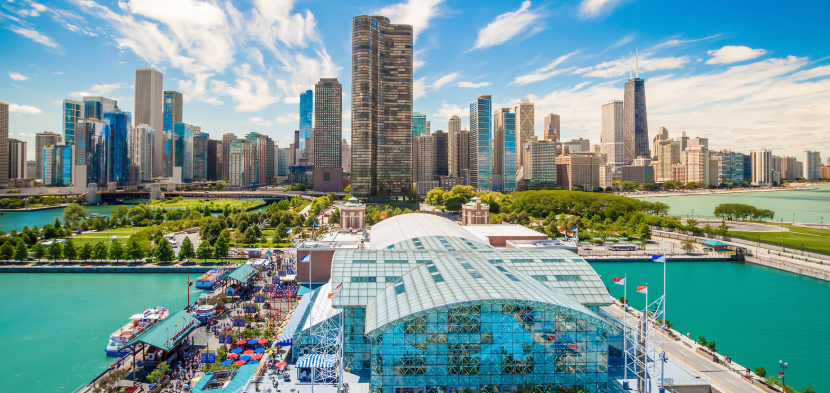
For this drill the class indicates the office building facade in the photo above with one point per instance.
(635, 120)
(424, 163)
(215, 160)
(182, 151)
(761, 167)
(812, 165)
(4, 144)
(172, 113)
(612, 138)
(382, 72)
(453, 127)
(283, 159)
(328, 135)
(200, 156)
(17, 159)
(480, 135)
(504, 151)
(95, 107)
(117, 152)
(539, 162)
(227, 138)
(419, 124)
(239, 164)
(57, 165)
(668, 154)
(42, 139)
(461, 153)
(551, 131)
(141, 151)
(149, 109)
(441, 142)
(524, 111)
(346, 156)
(72, 111)
(696, 160)
(577, 170)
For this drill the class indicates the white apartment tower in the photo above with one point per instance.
(452, 129)
(525, 119)
(149, 109)
(761, 167)
(812, 163)
(611, 139)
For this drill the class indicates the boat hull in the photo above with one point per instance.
(117, 353)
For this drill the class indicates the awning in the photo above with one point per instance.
(287, 336)
(316, 360)
(290, 277)
(167, 333)
(637, 242)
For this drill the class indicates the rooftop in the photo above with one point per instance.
(483, 232)
(167, 333)
(414, 225)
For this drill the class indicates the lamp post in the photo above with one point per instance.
(821, 224)
(783, 366)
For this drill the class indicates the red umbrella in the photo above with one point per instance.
(249, 352)
(281, 364)
(256, 357)
(239, 363)
(241, 342)
(232, 356)
(263, 341)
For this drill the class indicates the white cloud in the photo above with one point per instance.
(58, 72)
(252, 92)
(446, 111)
(291, 100)
(740, 108)
(733, 54)
(417, 62)
(508, 25)
(623, 41)
(471, 84)
(260, 121)
(545, 72)
(676, 42)
(36, 36)
(419, 88)
(289, 118)
(27, 109)
(17, 76)
(449, 78)
(622, 66)
(98, 90)
(412, 12)
(593, 8)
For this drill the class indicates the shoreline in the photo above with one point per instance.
(716, 192)
(31, 209)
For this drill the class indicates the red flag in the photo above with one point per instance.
(642, 289)
(619, 281)
(338, 287)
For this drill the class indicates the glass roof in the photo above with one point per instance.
(415, 225)
(463, 277)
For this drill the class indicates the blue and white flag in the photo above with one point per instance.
(658, 258)
(289, 230)
(306, 258)
(573, 229)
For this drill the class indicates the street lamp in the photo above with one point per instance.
(821, 225)
(783, 366)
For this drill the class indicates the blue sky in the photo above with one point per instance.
(745, 74)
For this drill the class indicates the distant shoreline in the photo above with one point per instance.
(716, 192)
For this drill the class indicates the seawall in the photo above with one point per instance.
(105, 269)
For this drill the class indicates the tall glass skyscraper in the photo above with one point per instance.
(183, 150)
(117, 151)
(635, 121)
(306, 109)
(172, 114)
(504, 151)
(200, 156)
(95, 107)
(72, 111)
(480, 157)
(419, 124)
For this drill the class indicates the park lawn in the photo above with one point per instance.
(793, 240)
(213, 204)
(79, 242)
(112, 232)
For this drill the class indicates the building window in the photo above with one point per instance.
(326, 176)
(364, 279)
(568, 278)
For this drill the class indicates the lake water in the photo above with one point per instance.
(756, 315)
(806, 205)
(55, 326)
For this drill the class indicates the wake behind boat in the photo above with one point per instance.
(138, 324)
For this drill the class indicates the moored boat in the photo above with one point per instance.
(207, 280)
(138, 324)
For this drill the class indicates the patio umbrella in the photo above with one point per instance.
(239, 363)
(249, 352)
(244, 357)
(281, 364)
(262, 341)
(236, 350)
(233, 356)
(254, 361)
(241, 342)
(259, 350)
(252, 342)
(227, 363)
(256, 357)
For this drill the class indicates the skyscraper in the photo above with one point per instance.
(17, 159)
(172, 114)
(525, 121)
(453, 128)
(149, 109)
(72, 111)
(200, 156)
(539, 166)
(480, 152)
(141, 151)
(612, 132)
(95, 107)
(761, 167)
(668, 154)
(441, 143)
(42, 139)
(635, 121)
(504, 150)
(239, 164)
(461, 147)
(117, 151)
(812, 164)
(381, 107)
(214, 160)
(551, 130)
(662, 134)
(57, 165)
(306, 109)
(226, 146)
(423, 147)
(346, 156)
(328, 134)
(182, 151)
(90, 152)
(419, 124)
(4, 144)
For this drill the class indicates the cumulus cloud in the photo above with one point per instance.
(17, 76)
(289, 118)
(508, 25)
(26, 109)
(98, 90)
(547, 71)
(593, 8)
(412, 12)
(740, 108)
(449, 78)
(733, 54)
(472, 85)
(622, 66)
(419, 88)
(448, 110)
(260, 121)
(36, 36)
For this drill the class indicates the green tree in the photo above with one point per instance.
(412, 196)
(702, 341)
(134, 250)
(808, 389)
(49, 232)
(186, 251)
(334, 218)
(279, 233)
(711, 346)
(644, 231)
(760, 371)
(249, 236)
(688, 245)
(454, 202)
(21, 253)
(220, 251)
(69, 250)
(204, 252)
(116, 250)
(55, 251)
(465, 192)
(99, 251)
(164, 252)
(85, 252)
(159, 372)
(74, 213)
(39, 251)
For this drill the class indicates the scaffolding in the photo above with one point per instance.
(644, 349)
(326, 338)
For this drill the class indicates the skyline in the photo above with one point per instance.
(741, 86)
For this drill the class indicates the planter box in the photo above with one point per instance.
(764, 387)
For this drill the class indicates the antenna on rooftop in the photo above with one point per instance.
(630, 66)
(638, 62)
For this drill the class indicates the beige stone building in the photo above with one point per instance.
(668, 154)
(352, 214)
(696, 159)
(475, 213)
(578, 170)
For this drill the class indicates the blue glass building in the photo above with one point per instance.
(480, 152)
(509, 165)
(419, 124)
(72, 111)
(95, 107)
(200, 155)
(117, 147)
(306, 109)
(183, 149)
(172, 114)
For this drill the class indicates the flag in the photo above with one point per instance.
(573, 229)
(642, 289)
(338, 287)
(619, 281)
(570, 233)
(306, 258)
(562, 231)
(504, 223)
(658, 258)
(383, 216)
(334, 295)
(781, 374)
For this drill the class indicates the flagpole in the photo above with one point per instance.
(665, 262)
(625, 326)
(645, 333)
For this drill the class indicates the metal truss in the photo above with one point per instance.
(645, 346)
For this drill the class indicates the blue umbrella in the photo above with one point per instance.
(245, 358)
(252, 342)
(227, 362)
(237, 350)
(259, 350)
(254, 362)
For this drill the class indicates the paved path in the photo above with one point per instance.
(724, 378)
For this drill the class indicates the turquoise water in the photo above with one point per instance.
(807, 205)
(55, 326)
(756, 315)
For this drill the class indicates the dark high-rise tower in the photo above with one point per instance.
(635, 120)
(328, 132)
(381, 107)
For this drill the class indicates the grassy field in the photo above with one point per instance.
(814, 238)
(111, 232)
(213, 204)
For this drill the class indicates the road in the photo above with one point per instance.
(726, 379)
